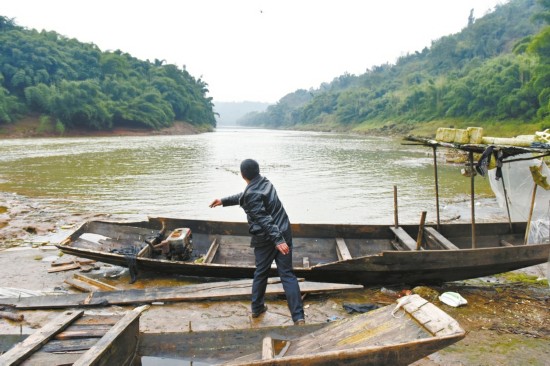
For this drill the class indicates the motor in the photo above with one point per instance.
(178, 245)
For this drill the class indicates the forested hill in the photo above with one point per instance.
(75, 85)
(496, 69)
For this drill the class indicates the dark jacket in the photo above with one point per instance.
(267, 218)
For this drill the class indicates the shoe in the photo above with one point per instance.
(263, 310)
(300, 322)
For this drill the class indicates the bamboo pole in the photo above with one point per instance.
(528, 228)
(533, 199)
(395, 210)
(436, 186)
(507, 206)
(472, 200)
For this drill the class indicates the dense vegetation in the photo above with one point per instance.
(76, 85)
(497, 68)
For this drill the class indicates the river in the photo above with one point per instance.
(320, 177)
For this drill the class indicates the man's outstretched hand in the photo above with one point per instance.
(283, 248)
(216, 202)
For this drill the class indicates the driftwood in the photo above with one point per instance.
(12, 316)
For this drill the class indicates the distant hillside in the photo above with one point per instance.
(73, 85)
(230, 112)
(496, 69)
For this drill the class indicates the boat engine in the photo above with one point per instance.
(178, 245)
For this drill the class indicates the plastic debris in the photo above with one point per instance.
(452, 299)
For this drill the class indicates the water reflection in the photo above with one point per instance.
(321, 177)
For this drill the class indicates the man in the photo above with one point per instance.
(271, 238)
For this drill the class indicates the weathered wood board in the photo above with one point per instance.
(78, 339)
(211, 291)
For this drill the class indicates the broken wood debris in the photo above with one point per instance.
(88, 284)
(85, 265)
(12, 316)
(75, 338)
(211, 291)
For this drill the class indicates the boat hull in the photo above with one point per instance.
(372, 259)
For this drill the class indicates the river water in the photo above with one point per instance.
(320, 177)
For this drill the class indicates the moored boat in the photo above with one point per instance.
(361, 254)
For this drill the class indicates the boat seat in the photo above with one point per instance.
(436, 237)
(404, 241)
(342, 250)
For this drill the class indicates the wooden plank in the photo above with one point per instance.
(98, 320)
(95, 283)
(78, 332)
(32, 343)
(11, 316)
(435, 320)
(440, 239)
(69, 345)
(504, 243)
(80, 285)
(396, 245)
(405, 239)
(65, 267)
(212, 251)
(47, 359)
(216, 290)
(342, 249)
(62, 262)
(118, 345)
(267, 348)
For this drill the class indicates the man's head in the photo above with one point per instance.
(250, 169)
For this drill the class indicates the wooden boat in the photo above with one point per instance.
(361, 254)
(76, 338)
(393, 335)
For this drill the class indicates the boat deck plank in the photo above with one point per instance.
(434, 235)
(406, 241)
(342, 249)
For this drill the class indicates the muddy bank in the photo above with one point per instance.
(27, 221)
(506, 317)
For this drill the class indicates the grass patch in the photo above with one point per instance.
(514, 349)
(523, 278)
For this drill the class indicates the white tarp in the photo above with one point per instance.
(519, 185)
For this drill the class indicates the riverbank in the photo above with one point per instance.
(506, 317)
(29, 127)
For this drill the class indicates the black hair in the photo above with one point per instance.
(250, 169)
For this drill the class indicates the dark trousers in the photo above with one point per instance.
(264, 257)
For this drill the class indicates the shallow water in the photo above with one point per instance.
(320, 177)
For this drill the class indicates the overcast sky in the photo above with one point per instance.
(254, 50)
